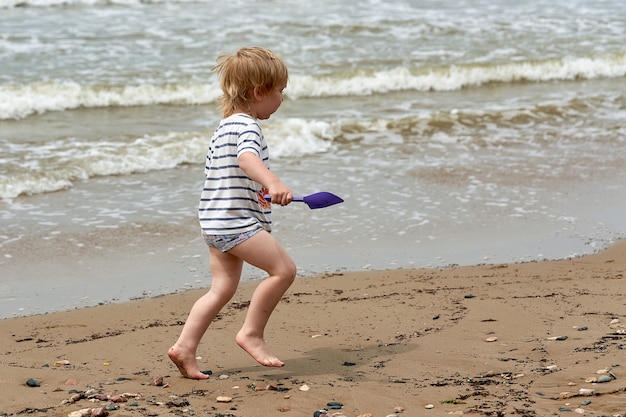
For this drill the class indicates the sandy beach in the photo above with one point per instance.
(528, 339)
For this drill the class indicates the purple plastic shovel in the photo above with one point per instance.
(317, 200)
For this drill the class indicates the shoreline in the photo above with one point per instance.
(519, 338)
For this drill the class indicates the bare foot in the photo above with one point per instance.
(186, 362)
(258, 349)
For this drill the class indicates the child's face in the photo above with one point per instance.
(266, 105)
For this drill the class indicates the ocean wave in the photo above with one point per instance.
(29, 168)
(19, 101)
(459, 76)
(60, 3)
(35, 168)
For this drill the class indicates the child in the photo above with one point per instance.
(233, 212)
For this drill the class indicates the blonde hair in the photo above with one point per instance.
(241, 72)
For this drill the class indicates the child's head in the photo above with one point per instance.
(244, 70)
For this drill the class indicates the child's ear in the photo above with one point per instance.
(256, 93)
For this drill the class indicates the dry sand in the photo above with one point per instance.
(476, 340)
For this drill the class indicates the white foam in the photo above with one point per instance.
(19, 101)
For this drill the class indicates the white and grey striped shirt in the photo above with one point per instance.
(232, 203)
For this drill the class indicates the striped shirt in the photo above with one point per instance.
(232, 203)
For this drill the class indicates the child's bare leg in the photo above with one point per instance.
(264, 252)
(226, 271)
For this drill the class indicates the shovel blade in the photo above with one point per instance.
(321, 200)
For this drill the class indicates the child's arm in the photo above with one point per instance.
(254, 168)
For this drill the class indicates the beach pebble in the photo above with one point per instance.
(64, 362)
(614, 321)
(157, 381)
(604, 378)
(586, 391)
(586, 402)
(118, 399)
(579, 411)
(491, 339)
(224, 399)
(33, 383)
(223, 376)
(304, 387)
(557, 338)
(334, 405)
(320, 413)
(429, 406)
(99, 412)
(398, 409)
(80, 413)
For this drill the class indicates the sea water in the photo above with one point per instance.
(457, 132)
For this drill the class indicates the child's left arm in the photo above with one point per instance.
(256, 170)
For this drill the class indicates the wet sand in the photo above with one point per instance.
(524, 339)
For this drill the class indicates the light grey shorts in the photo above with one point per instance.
(226, 242)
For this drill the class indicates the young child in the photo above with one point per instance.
(233, 212)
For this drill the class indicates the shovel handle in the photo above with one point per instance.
(268, 198)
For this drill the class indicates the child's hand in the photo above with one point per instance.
(280, 194)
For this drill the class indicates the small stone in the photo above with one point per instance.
(429, 406)
(33, 383)
(118, 399)
(99, 412)
(157, 381)
(583, 328)
(320, 413)
(470, 296)
(398, 409)
(349, 364)
(604, 378)
(304, 387)
(558, 338)
(80, 413)
(365, 415)
(224, 399)
(586, 402)
(491, 339)
(334, 405)
(586, 391)
(579, 411)
(223, 376)
(614, 321)
(64, 362)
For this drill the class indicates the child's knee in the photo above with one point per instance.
(289, 273)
